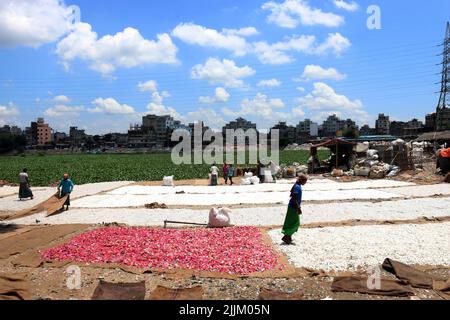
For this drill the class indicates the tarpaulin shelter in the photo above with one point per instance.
(341, 150)
(440, 137)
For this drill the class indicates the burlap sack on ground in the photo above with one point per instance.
(359, 285)
(14, 287)
(35, 238)
(119, 291)
(442, 288)
(51, 206)
(414, 277)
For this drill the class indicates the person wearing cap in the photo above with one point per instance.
(292, 221)
(65, 187)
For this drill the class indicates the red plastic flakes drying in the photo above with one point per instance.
(238, 250)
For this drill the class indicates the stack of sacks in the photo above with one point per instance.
(219, 218)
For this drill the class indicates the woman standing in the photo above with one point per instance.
(225, 172)
(230, 174)
(292, 221)
(24, 189)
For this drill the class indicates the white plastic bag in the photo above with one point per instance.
(248, 175)
(371, 153)
(219, 218)
(255, 180)
(246, 182)
(268, 176)
(168, 181)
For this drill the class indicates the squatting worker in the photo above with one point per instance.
(214, 175)
(292, 221)
(65, 187)
(24, 189)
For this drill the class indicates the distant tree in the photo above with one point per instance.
(108, 137)
(10, 143)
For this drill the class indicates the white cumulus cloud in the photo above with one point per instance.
(126, 49)
(8, 113)
(62, 110)
(158, 107)
(260, 106)
(229, 39)
(221, 96)
(315, 72)
(292, 13)
(324, 100)
(222, 72)
(61, 99)
(271, 83)
(32, 23)
(110, 106)
(150, 85)
(348, 6)
(209, 116)
(335, 43)
(279, 52)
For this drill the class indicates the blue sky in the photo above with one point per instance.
(215, 60)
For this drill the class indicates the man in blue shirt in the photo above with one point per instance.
(65, 188)
(292, 221)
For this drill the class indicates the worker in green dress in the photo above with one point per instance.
(292, 221)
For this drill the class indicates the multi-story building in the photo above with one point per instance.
(382, 124)
(239, 123)
(366, 130)
(155, 131)
(12, 130)
(349, 124)
(287, 134)
(76, 136)
(331, 125)
(59, 137)
(413, 129)
(407, 130)
(307, 127)
(39, 133)
(396, 128)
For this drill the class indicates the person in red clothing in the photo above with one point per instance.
(225, 172)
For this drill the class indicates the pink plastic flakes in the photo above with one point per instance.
(238, 250)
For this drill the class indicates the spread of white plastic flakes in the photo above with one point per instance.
(347, 248)
(313, 185)
(260, 216)
(129, 200)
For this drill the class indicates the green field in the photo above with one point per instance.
(47, 169)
